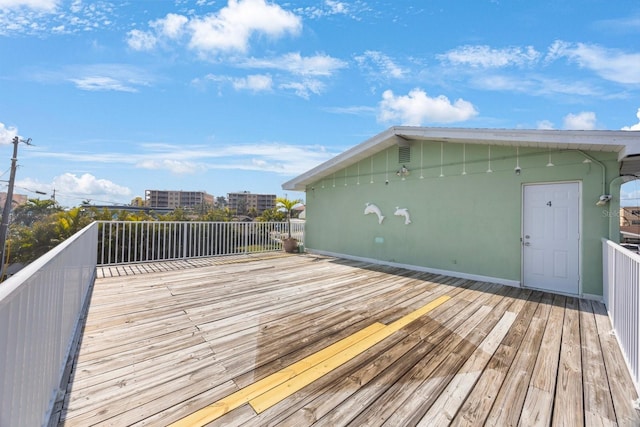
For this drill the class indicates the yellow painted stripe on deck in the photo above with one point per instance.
(216, 410)
(270, 390)
(286, 389)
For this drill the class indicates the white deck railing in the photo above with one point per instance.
(125, 242)
(40, 311)
(621, 291)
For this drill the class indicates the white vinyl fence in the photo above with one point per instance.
(40, 311)
(125, 242)
(622, 298)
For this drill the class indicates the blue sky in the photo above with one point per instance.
(243, 95)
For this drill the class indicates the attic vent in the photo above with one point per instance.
(404, 154)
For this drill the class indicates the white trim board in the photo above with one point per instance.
(457, 274)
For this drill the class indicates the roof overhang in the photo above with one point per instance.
(625, 143)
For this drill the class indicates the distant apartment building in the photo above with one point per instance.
(630, 215)
(177, 199)
(244, 201)
(18, 199)
(630, 223)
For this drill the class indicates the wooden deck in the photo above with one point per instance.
(340, 343)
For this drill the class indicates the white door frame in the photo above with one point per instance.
(580, 242)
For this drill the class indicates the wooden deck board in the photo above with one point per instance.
(162, 341)
(569, 397)
(368, 377)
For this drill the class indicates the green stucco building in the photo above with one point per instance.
(520, 207)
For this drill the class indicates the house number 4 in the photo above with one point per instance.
(549, 203)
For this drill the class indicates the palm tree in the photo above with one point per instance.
(286, 205)
(34, 210)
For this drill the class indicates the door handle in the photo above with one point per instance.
(527, 244)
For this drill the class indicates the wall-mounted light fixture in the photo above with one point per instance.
(403, 172)
(603, 200)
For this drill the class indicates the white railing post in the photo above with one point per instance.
(185, 238)
(245, 232)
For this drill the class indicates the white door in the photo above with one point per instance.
(551, 237)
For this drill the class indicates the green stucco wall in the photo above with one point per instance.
(467, 223)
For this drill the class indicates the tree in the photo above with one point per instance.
(34, 210)
(286, 205)
(137, 201)
(27, 243)
(221, 202)
(178, 214)
(271, 215)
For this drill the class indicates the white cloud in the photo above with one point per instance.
(71, 189)
(317, 65)
(635, 126)
(418, 108)
(7, 133)
(356, 110)
(98, 77)
(536, 85)
(76, 6)
(178, 167)
(255, 83)
(284, 159)
(172, 26)
(610, 64)
(231, 28)
(46, 17)
(378, 63)
(102, 83)
(585, 120)
(87, 186)
(272, 157)
(227, 31)
(545, 124)
(304, 88)
(486, 57)
(30, 185)
(141, 40)
(623, 25)
(265, 157)
(303, 79)
(45, 5)
(334, 8)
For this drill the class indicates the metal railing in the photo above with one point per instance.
(126, 242)
(40, 311)
(621, 283)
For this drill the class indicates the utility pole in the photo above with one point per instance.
(4, 225)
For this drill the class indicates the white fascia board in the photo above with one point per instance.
(598, 140)
(625, 143)
(360, 151)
